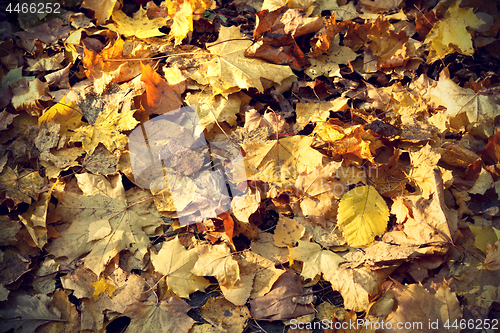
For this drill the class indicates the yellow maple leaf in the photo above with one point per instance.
(106, 130)
(288, 231)
(480, 109)
(169, 315)
(278, 163)
(363, 214)
(175, 262)
(217, 261)
(67, 114)
(450, 34)
(212, 109)
(139, 26)
(423, 161)
(483, 236)
(315, 259)
(20, 186)
(182, 12)
(102, 9)
(344, 141)
(102, 286)
(104, 221)
(230, 69)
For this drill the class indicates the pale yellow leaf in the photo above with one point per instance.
(363, 214)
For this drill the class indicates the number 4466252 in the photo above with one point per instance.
(34, 8)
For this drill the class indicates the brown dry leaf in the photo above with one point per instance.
(479, 286)
(380, 6)
(102, 223)
(170, 315)
(423, 161)
(35, 220)
(245, 205)
(81, 282)
(281, 302)
(492, 261)
(217, 261)
(387, 47)
(28, 312)
(68, 312)
(319, 191)
(324, 38)
(274, 38)
(265, 247)
(226, 316)
(231, 71)
(6, 119)
(175, 262)
(431, 221)
(239, 293)
(421, 308)
(328, 65)
(358, 285)
(389, 179)
(9, 230)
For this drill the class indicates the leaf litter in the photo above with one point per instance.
(338, 161)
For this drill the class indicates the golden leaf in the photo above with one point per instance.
(363, 214)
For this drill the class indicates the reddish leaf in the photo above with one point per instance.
(160, 96)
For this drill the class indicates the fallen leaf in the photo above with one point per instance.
(279, 162)
(106, 130)
(230, 69)
(363, 215)
(102, 9)
(492, 261)
(20, 186)
(279, 303)
(106, 204)
(175, 262)
(161, 97)
(182, 15)
(315, 259)
(450, 34)
(230, 318)
(139, 25)
(288, 232)
(28, 312)
(217, 261)
(419, 306)
(170, 315)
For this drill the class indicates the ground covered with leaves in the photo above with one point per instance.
(250, 166)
